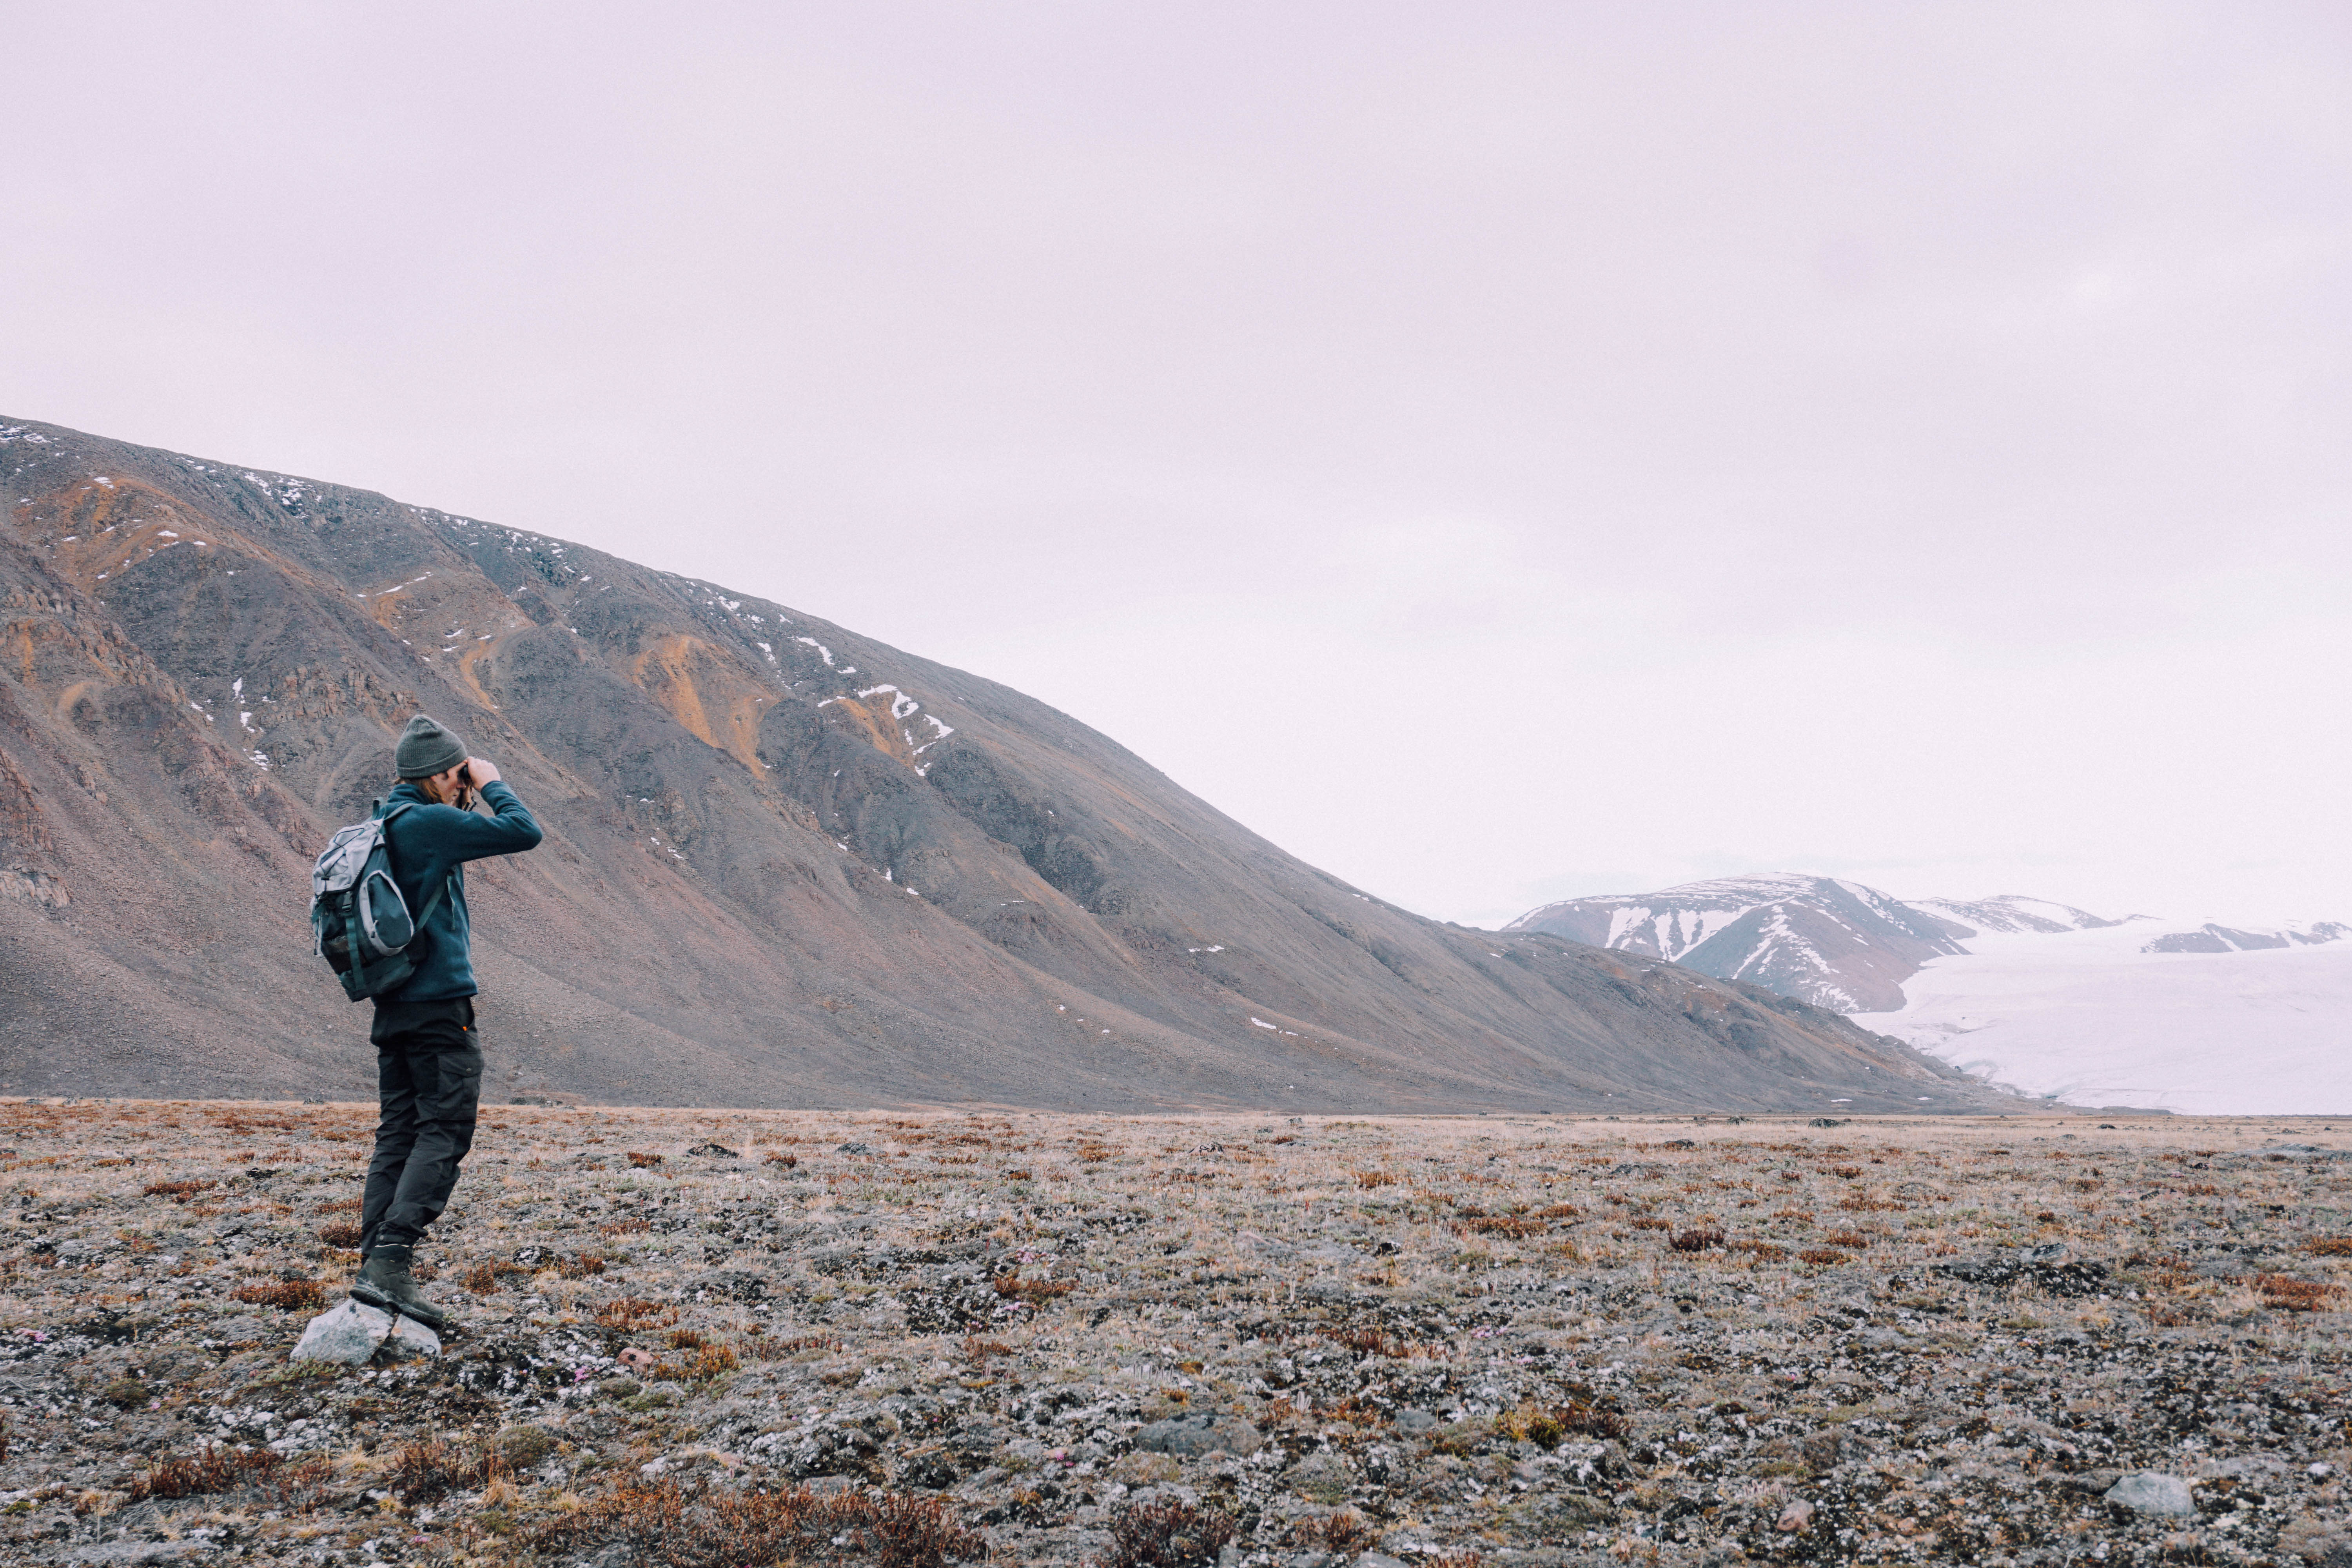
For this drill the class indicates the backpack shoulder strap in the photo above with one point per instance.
(388, 813)
(434, 902)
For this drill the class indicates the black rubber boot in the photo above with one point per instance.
(384, 1284)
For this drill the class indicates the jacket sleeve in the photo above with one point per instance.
(511, 831)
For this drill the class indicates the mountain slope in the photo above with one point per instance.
(785, 864)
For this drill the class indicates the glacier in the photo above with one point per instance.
(2094, 1018)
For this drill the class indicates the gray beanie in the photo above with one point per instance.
(426, 749)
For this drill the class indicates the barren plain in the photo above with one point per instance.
(744, 1339)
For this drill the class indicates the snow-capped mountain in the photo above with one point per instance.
(2194, 1017)
(1834, 943)
(2011, 913)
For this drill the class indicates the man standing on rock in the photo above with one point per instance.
(428, 1061)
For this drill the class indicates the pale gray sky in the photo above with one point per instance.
(1497, 451)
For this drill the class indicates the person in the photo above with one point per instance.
(428, 1058)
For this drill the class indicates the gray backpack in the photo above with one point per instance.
(359, 922)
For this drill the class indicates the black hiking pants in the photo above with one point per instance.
(428, 1065)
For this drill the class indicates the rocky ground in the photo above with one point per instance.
(757, 1338)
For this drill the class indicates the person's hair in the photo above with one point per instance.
(462, 800)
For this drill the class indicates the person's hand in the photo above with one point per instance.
(481, 771)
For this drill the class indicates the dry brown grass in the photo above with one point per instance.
(293, 1295)
(427, 1471)
(664, 1524)
(178, 1192)
(632, 1312)
(1036, 1292)
(488, 1278)
(1169, 1534)
(2285, 1294)
(1344, 1531)
(212, 1469)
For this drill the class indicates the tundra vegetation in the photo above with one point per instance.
(696, 1339)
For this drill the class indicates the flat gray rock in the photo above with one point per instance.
(348, 1334)
(2152, 1491)
(132, 1551)
(1187, 1435)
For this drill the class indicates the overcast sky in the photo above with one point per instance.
(1498, 452)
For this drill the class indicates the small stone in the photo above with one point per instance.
(1378, 1560)
(2153, 1491)
(1415, 1421)
(348, 1334)
(1798, 1516)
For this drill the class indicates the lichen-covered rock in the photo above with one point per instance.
(2153, 1491)
(1191, 1435)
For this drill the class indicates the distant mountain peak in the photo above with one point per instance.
(1835, 943)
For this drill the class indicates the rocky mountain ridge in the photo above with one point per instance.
(785, 864)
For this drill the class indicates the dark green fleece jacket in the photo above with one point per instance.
(429, 844)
